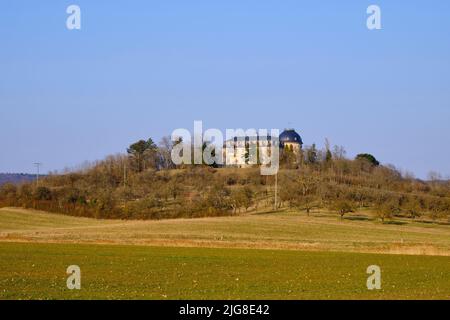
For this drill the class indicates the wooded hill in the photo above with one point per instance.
(144, 184)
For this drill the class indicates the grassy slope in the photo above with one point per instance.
(37, 271)
(15, 219)
(275, 231)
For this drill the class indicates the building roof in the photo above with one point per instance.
(290, 136)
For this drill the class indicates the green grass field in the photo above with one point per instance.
(257, 256)
(37, 271)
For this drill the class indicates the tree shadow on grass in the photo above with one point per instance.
(266, 212)
(394, 222)
(358, 218)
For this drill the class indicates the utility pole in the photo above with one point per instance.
(125, 174)
(276, 191)
(38, 165)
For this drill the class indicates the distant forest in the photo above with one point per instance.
(16, 178)
(145, 184)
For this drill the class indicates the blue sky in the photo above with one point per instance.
(140, 69)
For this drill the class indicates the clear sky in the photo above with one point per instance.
(140, 69)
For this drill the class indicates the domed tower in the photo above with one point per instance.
(291, 140)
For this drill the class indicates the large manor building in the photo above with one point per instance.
(289, 140)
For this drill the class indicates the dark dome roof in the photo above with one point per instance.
(289, 135)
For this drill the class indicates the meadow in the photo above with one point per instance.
(282, 255)
(37, 271)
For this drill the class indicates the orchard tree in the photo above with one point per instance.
(412, 208)
(306, 203)
(343, 207)
(387, 209)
